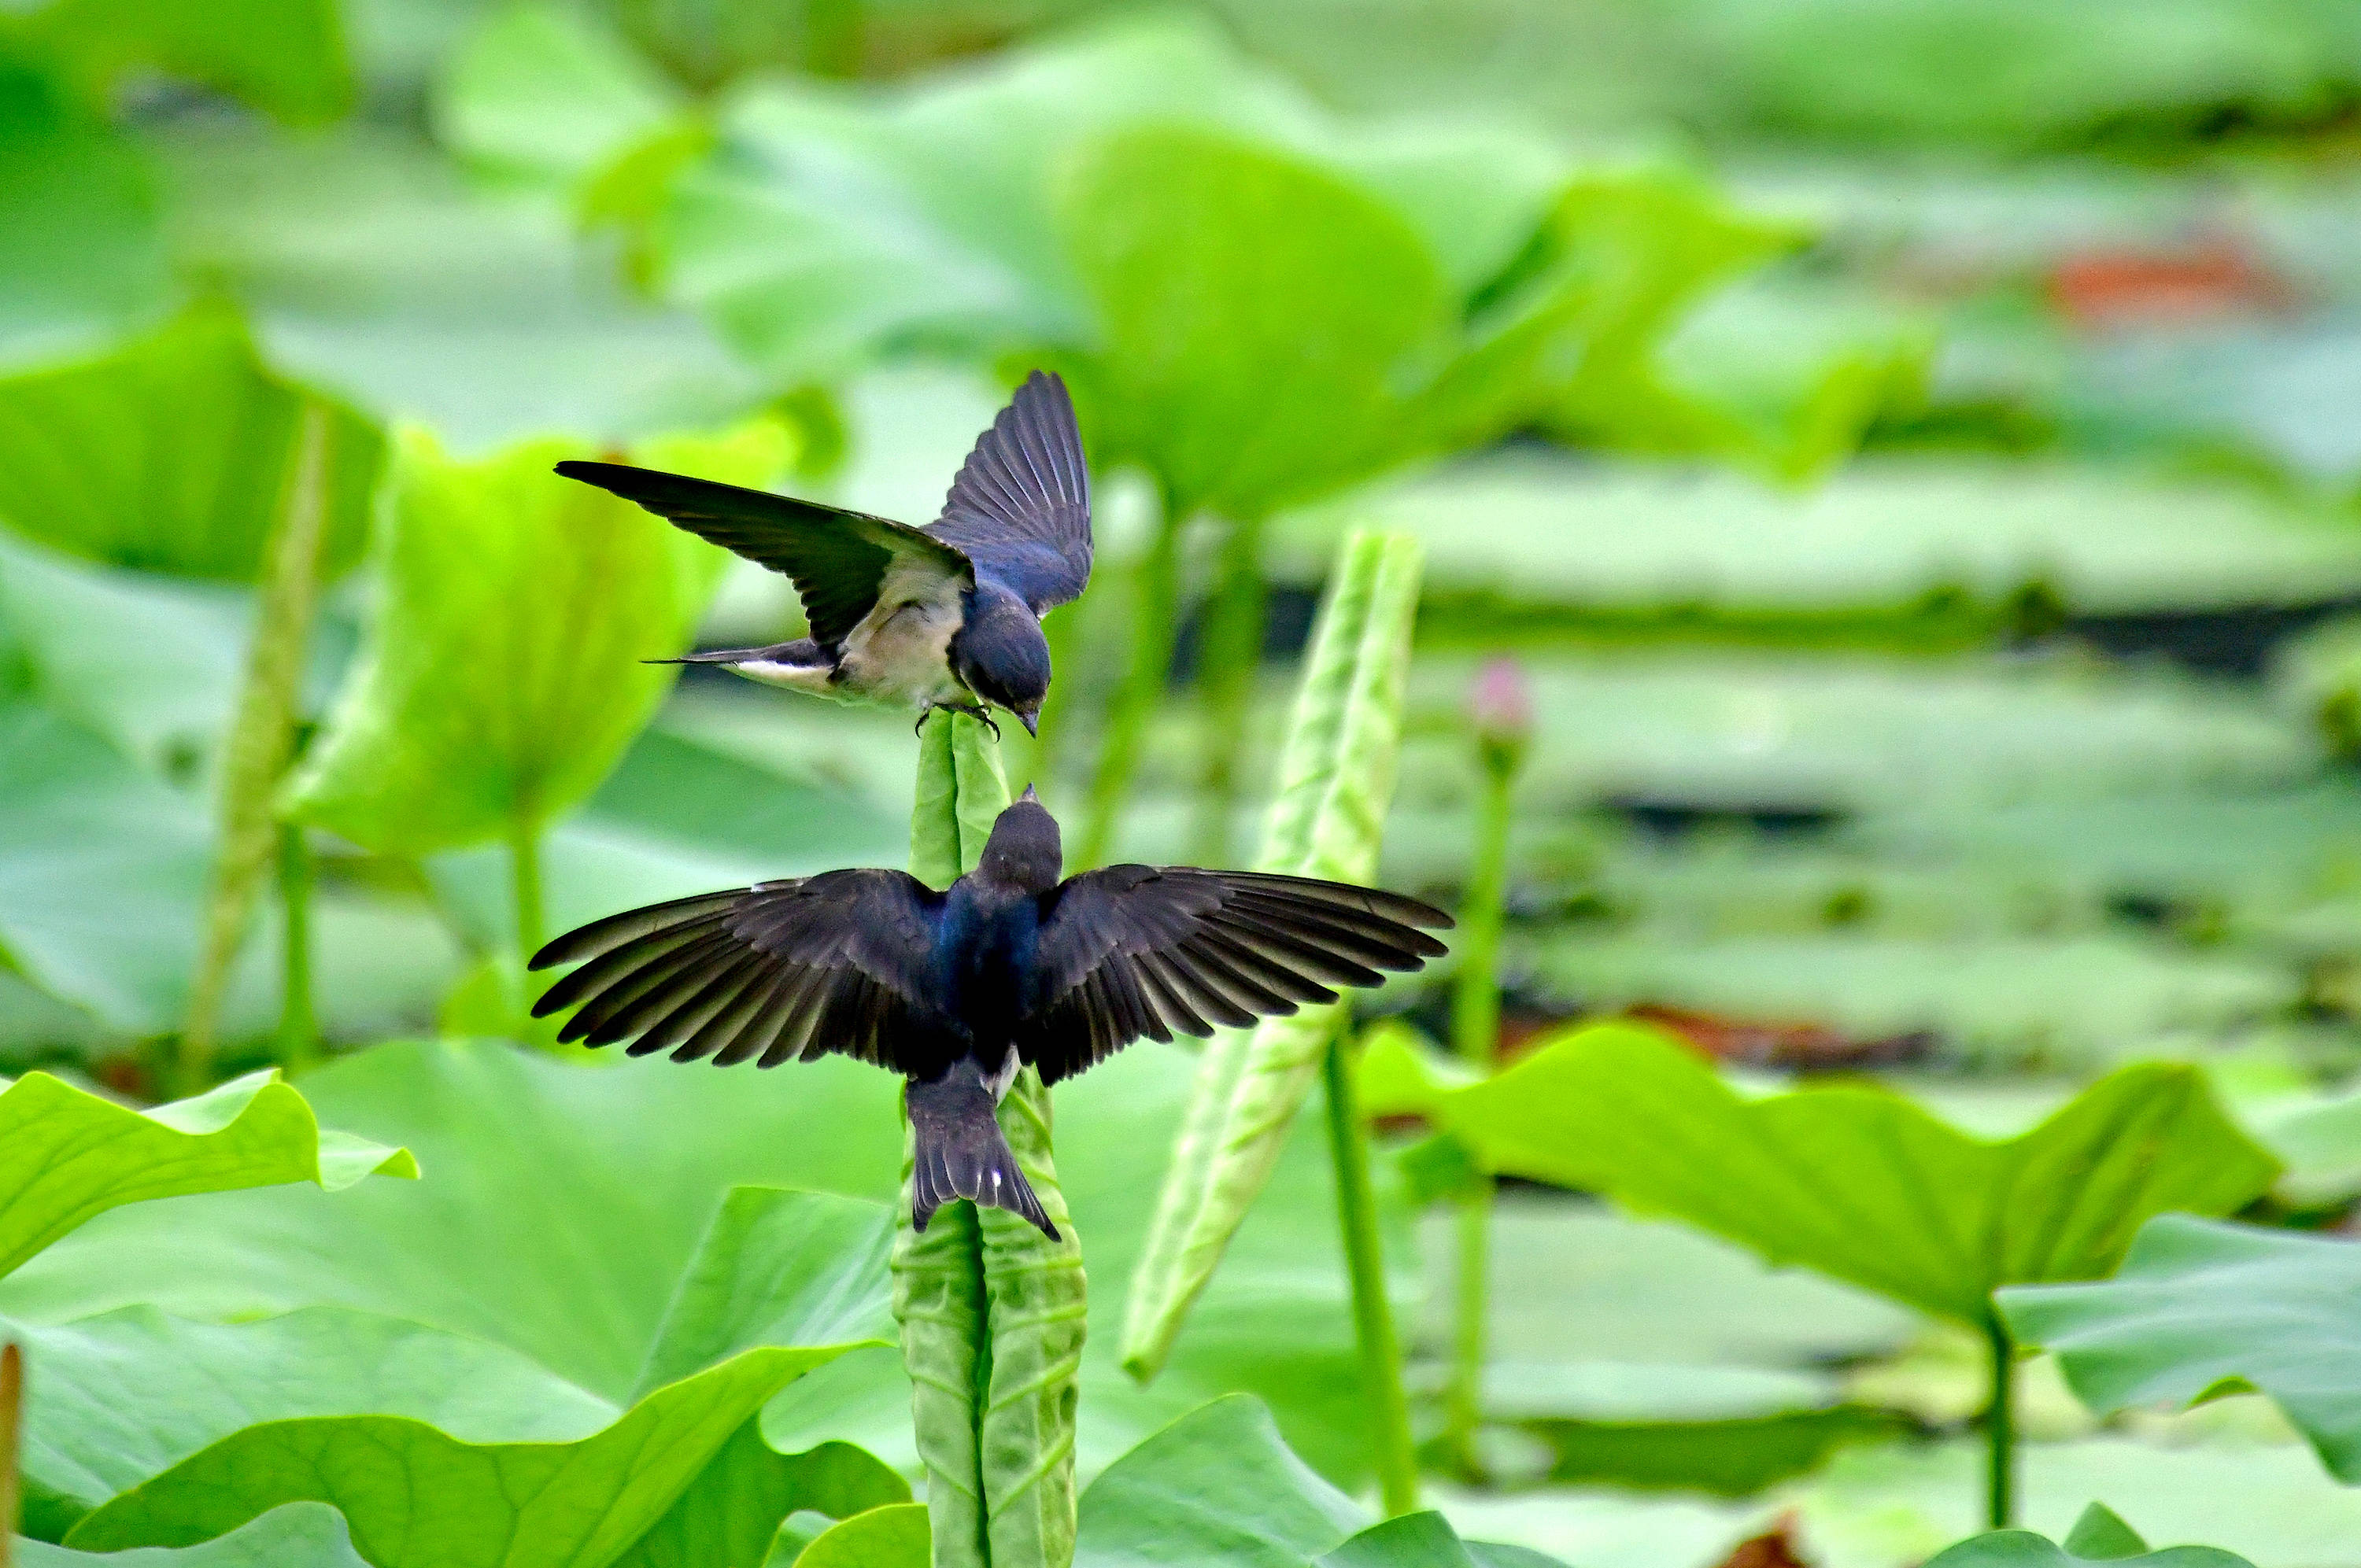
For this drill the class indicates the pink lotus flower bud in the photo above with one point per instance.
(1500, 706)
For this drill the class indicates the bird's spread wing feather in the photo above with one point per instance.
(837, 559)
(1134, 951)
(783, 969)
(1021, 507)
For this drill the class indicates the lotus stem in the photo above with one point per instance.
(299, 1026)
(1999, 1426)
(1475, 1036)
(1373, 1316)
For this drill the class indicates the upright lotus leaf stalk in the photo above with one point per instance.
(1155, 610)
(1335, 780)
(1229, 651)
(1999, 1426)
(261, 738)
(1500, 708)
(1373, 1315)
(992, 1311)
(299, 1025)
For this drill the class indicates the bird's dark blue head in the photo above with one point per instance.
(1025, 850)
(1002, 655)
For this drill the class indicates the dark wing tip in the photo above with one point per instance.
(1041, 382)
(1423, 915)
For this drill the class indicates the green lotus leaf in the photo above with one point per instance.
(71, 622)
(894, 1536)
(1427, 1540)
(506, 671)
(117, 1399)
(415, 1494)
(66, 1155)
(1219, 1488)
(1257, 316)
(565, 1204)
(284, 57)
(542, 93)
(928, 215)
(300, 1535)
(172, 452)
(1861, 1184)
(102, 869)
(2099, 1536)
(733, 1512)
(81, 243)
(2200, 1307)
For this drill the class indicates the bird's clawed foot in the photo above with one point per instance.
(974, 710)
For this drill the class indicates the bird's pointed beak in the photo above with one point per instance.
(1032, 723)
(1028, 794)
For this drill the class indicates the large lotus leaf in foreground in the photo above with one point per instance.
(117, 1399)
(506, 670)
(1859, 1182)
(66, 1155)
(134, 1397)
(2201, 1307)
(415, 1496)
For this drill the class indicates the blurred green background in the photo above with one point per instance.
(1912, 446)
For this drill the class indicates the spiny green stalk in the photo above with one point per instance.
(1999, 1426)
(1229, 653)
(1502, 717)
(262, 736)
(1373, 1316)
(298, 1027)
(1155, 610)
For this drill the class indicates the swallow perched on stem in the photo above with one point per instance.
(945, 616)
(956, 990)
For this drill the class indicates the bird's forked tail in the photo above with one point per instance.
(960, 1152)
